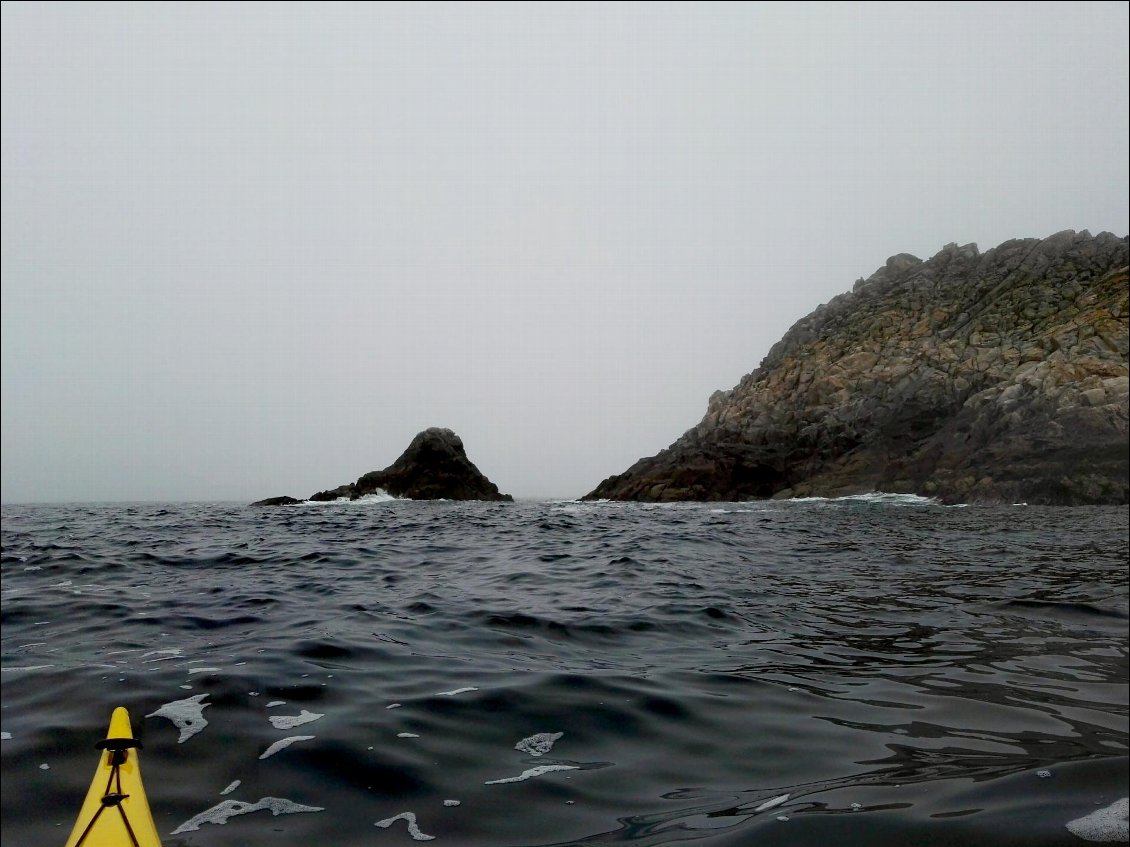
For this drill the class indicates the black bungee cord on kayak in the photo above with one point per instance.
(118, 751)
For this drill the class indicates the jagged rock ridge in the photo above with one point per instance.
(994, 377)
(434, 467)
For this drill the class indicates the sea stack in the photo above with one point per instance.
(434, 467)
(994, 377)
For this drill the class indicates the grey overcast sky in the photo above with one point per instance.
(252, 249)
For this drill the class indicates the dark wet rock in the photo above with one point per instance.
(434, 467)
(277, 501)
(970, 377)
(342, 492)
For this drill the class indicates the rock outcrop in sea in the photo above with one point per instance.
(434, 467)
(971, 377)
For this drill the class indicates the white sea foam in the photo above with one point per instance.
(379, 496)
(26, 668)
(187, 715)
(5, 736)
(406, 735)
(873, 497)
(532, 772)
(772, 804)
(747, 508)
(231, 788)
(413, 827)
(274, 703)
(568, 507)
(204, 670)
(291, 721)
(539, 744)
(450, 803)
(221, 812)
(166, 655)
(283, 744)
(454, 692)
(1107, 824)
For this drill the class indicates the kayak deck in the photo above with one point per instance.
(116, 812)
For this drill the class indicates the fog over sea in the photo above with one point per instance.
(879, 670)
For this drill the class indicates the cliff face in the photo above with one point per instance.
(995, 377)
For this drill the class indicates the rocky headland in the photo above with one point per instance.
(434, 467)
(970, 377)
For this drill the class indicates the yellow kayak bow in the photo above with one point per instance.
(116, 811)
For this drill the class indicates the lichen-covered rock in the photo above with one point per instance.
(995, 377)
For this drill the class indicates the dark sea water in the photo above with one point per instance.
(853, 672)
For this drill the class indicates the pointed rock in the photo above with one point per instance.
(434, 467)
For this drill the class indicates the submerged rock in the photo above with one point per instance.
(970, 377)
(434, 467)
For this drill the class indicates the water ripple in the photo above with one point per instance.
(849, 672)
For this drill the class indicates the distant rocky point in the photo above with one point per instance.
(971, 377)
(434, 467)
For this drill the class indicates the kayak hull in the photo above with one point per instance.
(116, 811)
